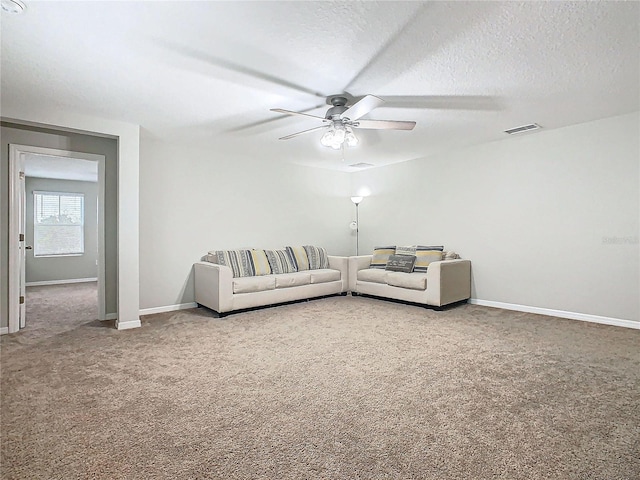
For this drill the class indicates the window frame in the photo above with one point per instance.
(36, 225)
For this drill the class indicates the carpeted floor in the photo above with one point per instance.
(57, 308)
(336, 388)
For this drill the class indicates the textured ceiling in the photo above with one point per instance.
(208, 72)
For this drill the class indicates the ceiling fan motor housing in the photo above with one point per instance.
(339, 107)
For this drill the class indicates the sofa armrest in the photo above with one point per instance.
(355, 264)
(214, 286)
(342, 264)
(448, 281)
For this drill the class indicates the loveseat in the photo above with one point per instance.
(230, 280)
(436, 278)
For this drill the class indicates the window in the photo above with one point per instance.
(58, 223)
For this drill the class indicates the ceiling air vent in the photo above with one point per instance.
(361, 165)
(524, 128)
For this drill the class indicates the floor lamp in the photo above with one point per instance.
(356, 201)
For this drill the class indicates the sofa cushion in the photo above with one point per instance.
(381, 255)
(260, 262)
(401, 263)
(299, 256)
(375, 275)
(280, 261)
(324, 275)
(450, 255)
(317, 257)
(240, 261)
(254, 284)
(425, 255)
(414, 281)
(296, 279)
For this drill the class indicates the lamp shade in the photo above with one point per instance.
(356, 200)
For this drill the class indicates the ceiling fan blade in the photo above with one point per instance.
(385, 125)
(267, 120)
(289, 112)
(300, 133)
(195, 54)
(377, 66)
(443, 102)
(362, 107)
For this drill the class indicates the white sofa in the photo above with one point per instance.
(445, 282)
(217, 289)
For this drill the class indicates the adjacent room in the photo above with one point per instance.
(320, 239)
(61, 264)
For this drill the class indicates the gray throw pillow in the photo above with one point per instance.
(401, 263)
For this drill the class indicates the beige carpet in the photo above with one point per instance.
(337, 388)
(57, 308)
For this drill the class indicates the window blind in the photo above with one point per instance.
(58, 223)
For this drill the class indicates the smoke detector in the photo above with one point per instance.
(14, 7)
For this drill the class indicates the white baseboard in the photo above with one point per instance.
(128, 325)
(585, 317)
(168, 308)
(60, 282)
(4, 330)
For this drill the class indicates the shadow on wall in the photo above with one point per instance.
(187, 292)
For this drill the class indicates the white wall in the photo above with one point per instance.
(196, 199)
(549, 219)
(39, 269)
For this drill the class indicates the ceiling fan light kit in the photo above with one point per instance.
(341, 119)
(339, 135)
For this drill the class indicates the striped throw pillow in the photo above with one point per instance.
(260, 262)
(317, 257)
(381, 256)
(280, 261)
(406, 250)
(299, 256)
(425, 255)
(239, 261)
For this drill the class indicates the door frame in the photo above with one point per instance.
(16, 246)
(16, 153)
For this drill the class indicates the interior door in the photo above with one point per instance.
(22, 221)
(17, 247)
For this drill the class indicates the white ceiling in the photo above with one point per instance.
(208, 72)
(63, 168)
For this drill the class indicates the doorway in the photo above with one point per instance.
(56, 228)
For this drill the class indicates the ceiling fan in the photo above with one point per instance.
(352, 110)
(342, 118)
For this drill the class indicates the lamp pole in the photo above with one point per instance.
(356, 201)
(357, 230)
